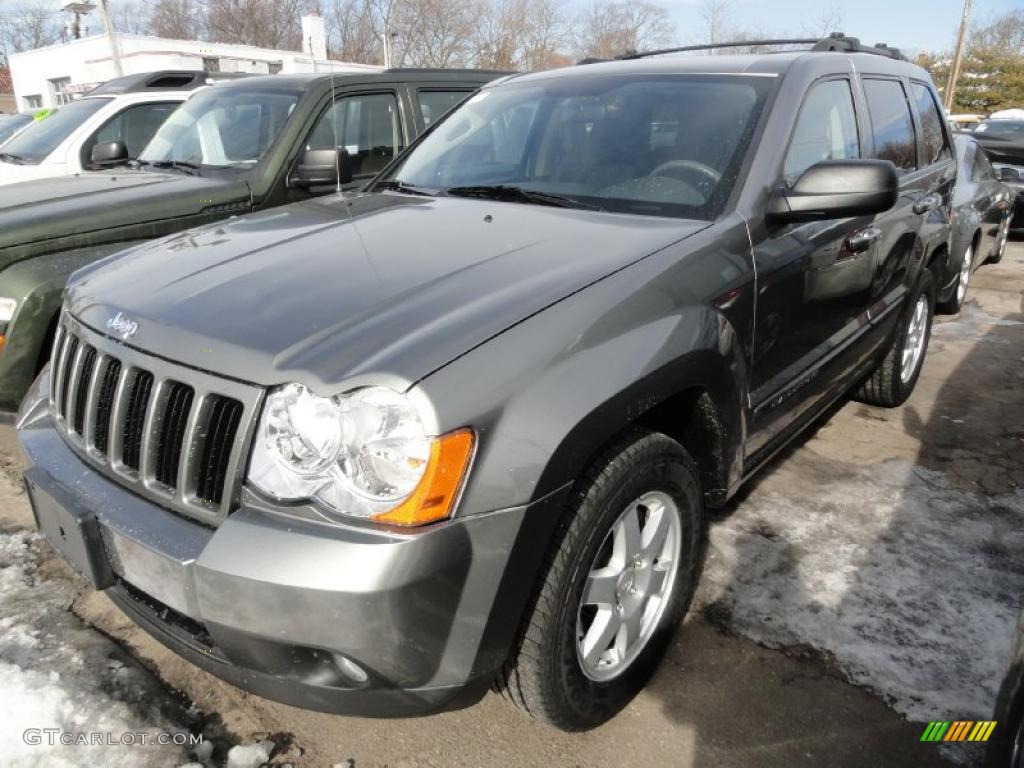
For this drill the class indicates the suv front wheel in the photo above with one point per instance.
(617, 581)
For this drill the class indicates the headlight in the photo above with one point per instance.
(7, 307)
(362, 454)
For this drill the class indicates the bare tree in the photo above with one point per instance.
(520, 34)
(29, 25)
(717, 16)
(264, 23)
(436, 33)
(612, 28)
(352, 32)
(1003, 35)
(130, 17)
(176, 19)
(827, 20)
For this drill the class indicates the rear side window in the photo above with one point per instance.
(935, 146)
(433, 104)
(825, 130)
(891, 123)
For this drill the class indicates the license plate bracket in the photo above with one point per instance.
(71, 530)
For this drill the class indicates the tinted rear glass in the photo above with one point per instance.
(935, 147)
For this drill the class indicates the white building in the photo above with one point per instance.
(50, 76)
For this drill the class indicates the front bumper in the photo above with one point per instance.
(327, 617)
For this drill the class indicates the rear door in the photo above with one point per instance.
(895, 137)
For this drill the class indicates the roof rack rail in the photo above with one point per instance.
(837, 41)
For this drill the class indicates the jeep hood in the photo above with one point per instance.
(96, 208)
(327, 290)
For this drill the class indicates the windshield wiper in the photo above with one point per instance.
(400, 186)
(7, 157)
(519, 195)
(179, 165)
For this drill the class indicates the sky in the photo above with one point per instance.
(911, 25)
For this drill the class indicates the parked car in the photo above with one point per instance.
(1003, 141)
(237, 147)
(10, 125)
(965, 122)
(372, 455)
(1006, 745)
(107, 126)
(982, 207)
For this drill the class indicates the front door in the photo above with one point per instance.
(814, 279)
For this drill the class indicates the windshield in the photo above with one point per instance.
(37, 141)
(11, 124)
(222, 128)
(656, 145)
(1002, 127)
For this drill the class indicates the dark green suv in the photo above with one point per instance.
(233, 148)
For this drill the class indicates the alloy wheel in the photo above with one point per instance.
(917, 335)
(965, 275)
(629, 584)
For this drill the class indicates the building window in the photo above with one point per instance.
(59, 90)
(34, 101)
(211, 63)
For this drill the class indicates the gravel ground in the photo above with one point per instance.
(867, 581)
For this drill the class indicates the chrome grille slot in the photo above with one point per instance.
(172, 432)
(70, 353)
(82, 389)
(135, 419)
(225, 414)
(105, 405)
(175, 435)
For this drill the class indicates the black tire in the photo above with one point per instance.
(885, 386)
(543, 675)
(955, 302)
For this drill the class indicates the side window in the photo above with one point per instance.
(367, 126)
(825, 130)
(433, 104)
(891, 123)
(982, 169)
(936, 147)
(134, 126)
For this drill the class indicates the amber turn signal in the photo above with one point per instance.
(434, 497)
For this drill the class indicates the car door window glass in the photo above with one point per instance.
(366, 126)
(133, 126)
(433, 104)
(37, 141)
(891, 123)
(935, 146)
(825, 130)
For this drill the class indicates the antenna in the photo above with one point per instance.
(334, 128)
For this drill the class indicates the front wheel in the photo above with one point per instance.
(619, 577)
(892, 382)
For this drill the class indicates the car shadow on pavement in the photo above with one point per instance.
(886, 548)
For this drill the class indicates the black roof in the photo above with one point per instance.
(165, 80)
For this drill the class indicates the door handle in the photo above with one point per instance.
(861, 240)
(927, 204)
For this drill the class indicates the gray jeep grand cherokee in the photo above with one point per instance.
(373, 455)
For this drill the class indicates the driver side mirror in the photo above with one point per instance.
(837, 189)
(108, 153)
(322, 167)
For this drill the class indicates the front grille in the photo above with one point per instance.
(170, 433)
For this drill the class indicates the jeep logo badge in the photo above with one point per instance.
(123, 326)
